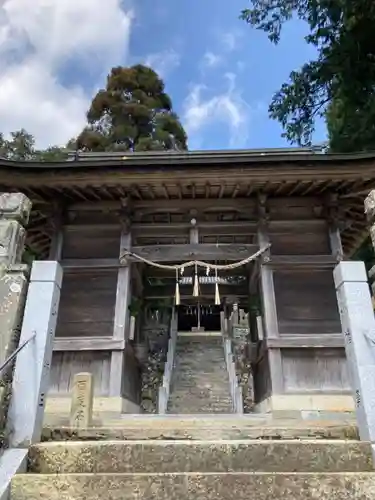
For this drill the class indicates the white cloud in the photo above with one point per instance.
(211, 60)
(231, 39)
(163, 62)
(227, 107)
(36, 40)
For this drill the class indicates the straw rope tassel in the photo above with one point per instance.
(217, 294)
(196, 285)
(177, 293)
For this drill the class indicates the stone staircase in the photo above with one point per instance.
(200, 382)
(149, 457)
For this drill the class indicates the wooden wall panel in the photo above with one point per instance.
(318, 370)
(67, 364)
(306, 302)
(87, 303)
(311, 239)
(89, 243)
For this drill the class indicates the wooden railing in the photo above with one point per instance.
(235, 389)
(165, 387)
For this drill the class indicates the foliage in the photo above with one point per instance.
(366, 254)
(351, 129)
(343, 73)
(21, 146)
(133, 113)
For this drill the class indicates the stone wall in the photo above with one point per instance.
(241, 346)
(14, 215)
(155, 331)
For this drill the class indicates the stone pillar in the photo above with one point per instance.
(358, 325)
(14, 214)
(31, 374)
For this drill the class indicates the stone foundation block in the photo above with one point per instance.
(58, 409)
(204, 456)
(295, 404)
(194, 486)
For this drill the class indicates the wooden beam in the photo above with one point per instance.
(205, 252)
(169, 205)
(154, 272)
(165, 191)
(150, 191)
(325, 340)
(301, 261)
(72, 264)
(159, 292)
(214, 227)
(87, 344)
(110, 226)
(235, 190)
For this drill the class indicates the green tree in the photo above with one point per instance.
(351, 129)
(53, 153)
(21, 146)
(132, 113)
(344, 70)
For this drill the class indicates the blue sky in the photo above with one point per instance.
(219, 72)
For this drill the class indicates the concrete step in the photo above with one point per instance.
(224, 426)
(192, 486)
(200, 456)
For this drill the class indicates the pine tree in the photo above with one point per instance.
(133, 113)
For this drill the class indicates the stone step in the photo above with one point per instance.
(229, 426)
(211, 368)
(199, 409)
(202, 389)
(200, 456)
(195, 401)
(214, 395)
(200, 380)
(192, 486)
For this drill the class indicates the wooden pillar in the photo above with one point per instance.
(57, 238)
(268, 300)
(334, 227)
(194, 235)
(267, 289)
(121, 319)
